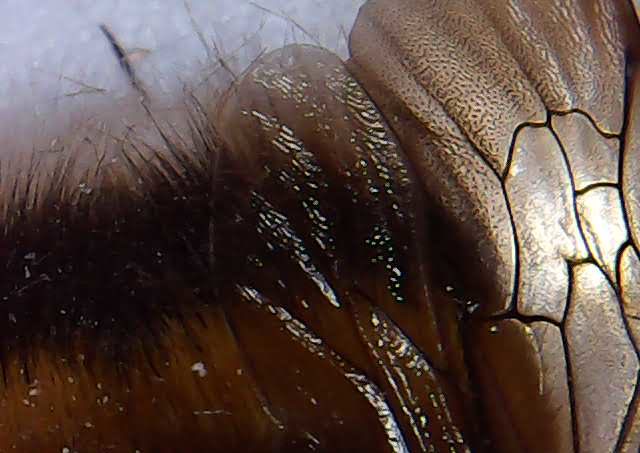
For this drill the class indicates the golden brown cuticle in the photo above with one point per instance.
(431, 246)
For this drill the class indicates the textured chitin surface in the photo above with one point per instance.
(303, 127)
(540, 100)
(431, 247)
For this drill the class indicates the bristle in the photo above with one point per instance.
(88, 238)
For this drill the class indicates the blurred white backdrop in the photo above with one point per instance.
(56, 61)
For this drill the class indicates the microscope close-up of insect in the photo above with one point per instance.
(320, 226)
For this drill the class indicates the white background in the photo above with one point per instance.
(56, 62)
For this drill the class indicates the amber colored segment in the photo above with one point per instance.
(188, 388)
(604, 363)
(306, 383)
(410, 384)
(538, 187)
(337, 217)
(315, 398)
(593, 158)
(252, 379)
(522, 379)
(432, 416)
(282, 281)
